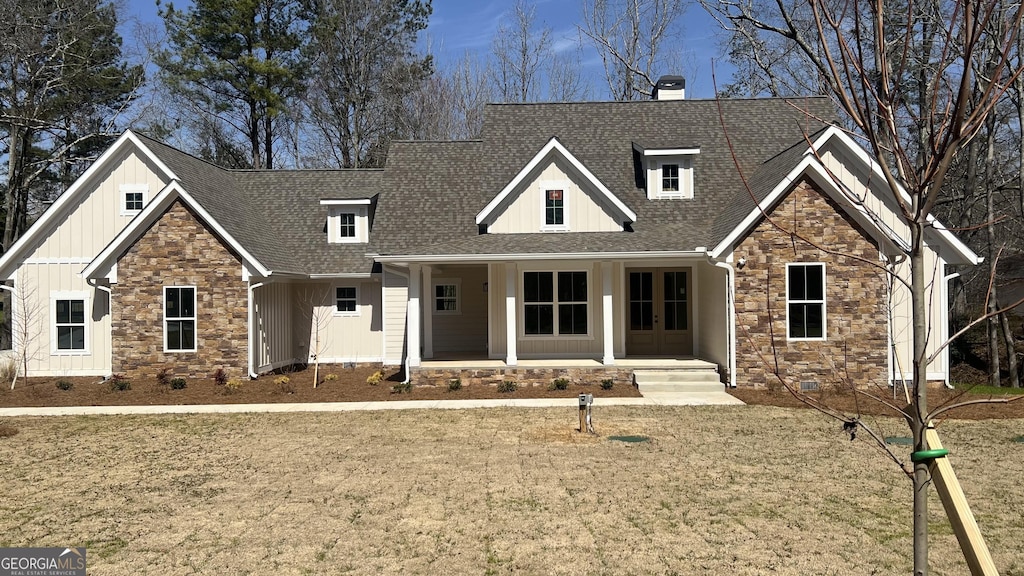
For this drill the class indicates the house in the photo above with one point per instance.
(598, 237)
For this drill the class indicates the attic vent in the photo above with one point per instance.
(808, 385)
(669, 88)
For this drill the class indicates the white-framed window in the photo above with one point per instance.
(446, 296)
(70, 329)
(554, 206)
(556, 303)
(133, 198)
(673, 178)
(346, 301)
(670, 178)
(348, 221)
(347, 225)
(179, 318)
(805, 301)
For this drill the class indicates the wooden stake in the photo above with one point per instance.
(959, 513)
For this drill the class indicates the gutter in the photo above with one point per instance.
(730, 291)
(641, 255)
(251, 360)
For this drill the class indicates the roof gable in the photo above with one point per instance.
(551, 151)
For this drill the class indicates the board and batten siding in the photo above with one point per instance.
(583, 213)
(395, 298)
(873, 192)
(272, 318)
(711, 314)
(53, 265)
(466, 329)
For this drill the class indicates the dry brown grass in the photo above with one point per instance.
(737, 490)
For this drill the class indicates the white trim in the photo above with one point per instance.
(555, 336)
(545, 186)
(66, 199)
(334, 301)
(102, 263)
(553, 145)
(824, 303)
(342, 202)
(666, 151)
(357, 359)
(427, 299)
(194, 318)
(511, 331)
(70, 260)
(125, 190)
(412, 319)
(449, 258)
(84, 296)
(360, 222)
(607, 314)
(435, 282)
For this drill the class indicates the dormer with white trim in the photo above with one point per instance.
(555, 192)
(668, 172)
(348, 220)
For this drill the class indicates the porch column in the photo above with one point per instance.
(510, 315)
(428, 312)
(607, 313)
(412, 317)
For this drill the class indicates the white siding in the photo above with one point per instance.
(583, 211)
(272, 319)
(466, 330)
(711, 314)
(349, 337)
(396, 291)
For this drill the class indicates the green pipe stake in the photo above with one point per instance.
(922, 455)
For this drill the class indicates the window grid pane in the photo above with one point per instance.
(179, 318)
(806, 309)
(69, 320)
(348, 225)
(670, 178)
(133, 201)
(446, 298)
(554, 208)
(345, 299)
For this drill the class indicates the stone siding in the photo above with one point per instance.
(178, 250)
(855, 348)
(521, 376)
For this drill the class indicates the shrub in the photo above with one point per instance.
(178, 384)
(330, 378)
(119, 383)
(163, 377)
(232, 386)
(220, 376)
(375, 378)
(401, 387)
(508, 386)
(7, 431)
(64, 385)
(607, 384)
(284, 383)
(560, 384)
(454, 384)
(8, 369)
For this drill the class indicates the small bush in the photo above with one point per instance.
(454, 384)
(508, 386)
(401, 387)
(560, 384)
(330, 378)
(284, 383)
(163, 377)
(8, 369)
(220, 377)
(607, 384)
(375, 378)
(64, 385)
(119, 383)
(7, 431)
(232, 386)
(178, 384)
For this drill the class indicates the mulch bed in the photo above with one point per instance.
(344, 385)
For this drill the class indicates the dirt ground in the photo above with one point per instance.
(338, 384)
(745, 490)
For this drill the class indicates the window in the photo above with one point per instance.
(555, 303)
(446, 297)
(347, 221)
(133, 198)
(179, 319)
(670, 177)
(554, 209)
(346, 301)
(70, 323)
(805, 301)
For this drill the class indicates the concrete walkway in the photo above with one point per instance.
(652, 399)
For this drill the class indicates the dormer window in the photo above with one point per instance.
(133, 198)
(555, 201)
(348, 221)
(669, 172)
(554, 209)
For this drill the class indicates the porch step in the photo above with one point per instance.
(679, 380)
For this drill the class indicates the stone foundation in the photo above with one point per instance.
(521, 376)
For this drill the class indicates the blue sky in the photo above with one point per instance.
(458, 26)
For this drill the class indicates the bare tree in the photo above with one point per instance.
(634, 39)
(862, 52)
(314, 303)
(521, 52)
(26, 316)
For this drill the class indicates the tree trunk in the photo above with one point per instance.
(15, 186)
(919, 302)
(1011, 350)
(992, 325)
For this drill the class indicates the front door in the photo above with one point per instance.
(659, 314)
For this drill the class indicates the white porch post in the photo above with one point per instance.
(510, 315)
(428, 313)
(412, 331)
(607, 313)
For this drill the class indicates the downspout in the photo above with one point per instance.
(730, 327)
(945, 300)
(251, 361)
